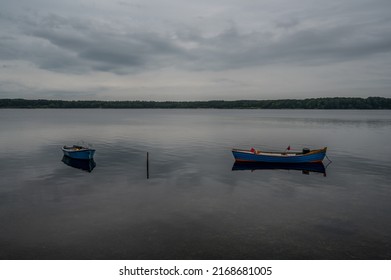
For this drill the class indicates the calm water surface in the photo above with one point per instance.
(193, 205)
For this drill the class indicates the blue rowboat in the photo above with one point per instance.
(78, 152)
(278, 157)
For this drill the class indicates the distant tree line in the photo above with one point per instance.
(310, 103)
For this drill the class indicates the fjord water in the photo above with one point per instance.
(193, 205)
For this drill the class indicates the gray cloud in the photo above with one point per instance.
(232, 49)
(133, 37)
(77, 44)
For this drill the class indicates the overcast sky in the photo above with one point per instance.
(194, 50)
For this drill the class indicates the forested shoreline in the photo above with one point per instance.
(309, 103)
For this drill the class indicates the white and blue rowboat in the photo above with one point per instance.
(78, 152)
(278, 157)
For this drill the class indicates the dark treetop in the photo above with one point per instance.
(310, 103)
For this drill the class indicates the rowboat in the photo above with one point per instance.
(305, 167)
(78, 152)
(306, 155)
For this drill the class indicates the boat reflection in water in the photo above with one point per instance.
(306, 168)
(83, 164)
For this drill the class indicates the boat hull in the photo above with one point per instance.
(79, 154)
(249, 156)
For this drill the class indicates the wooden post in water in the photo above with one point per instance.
(147, 165)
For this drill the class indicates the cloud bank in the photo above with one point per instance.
(180, 50)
